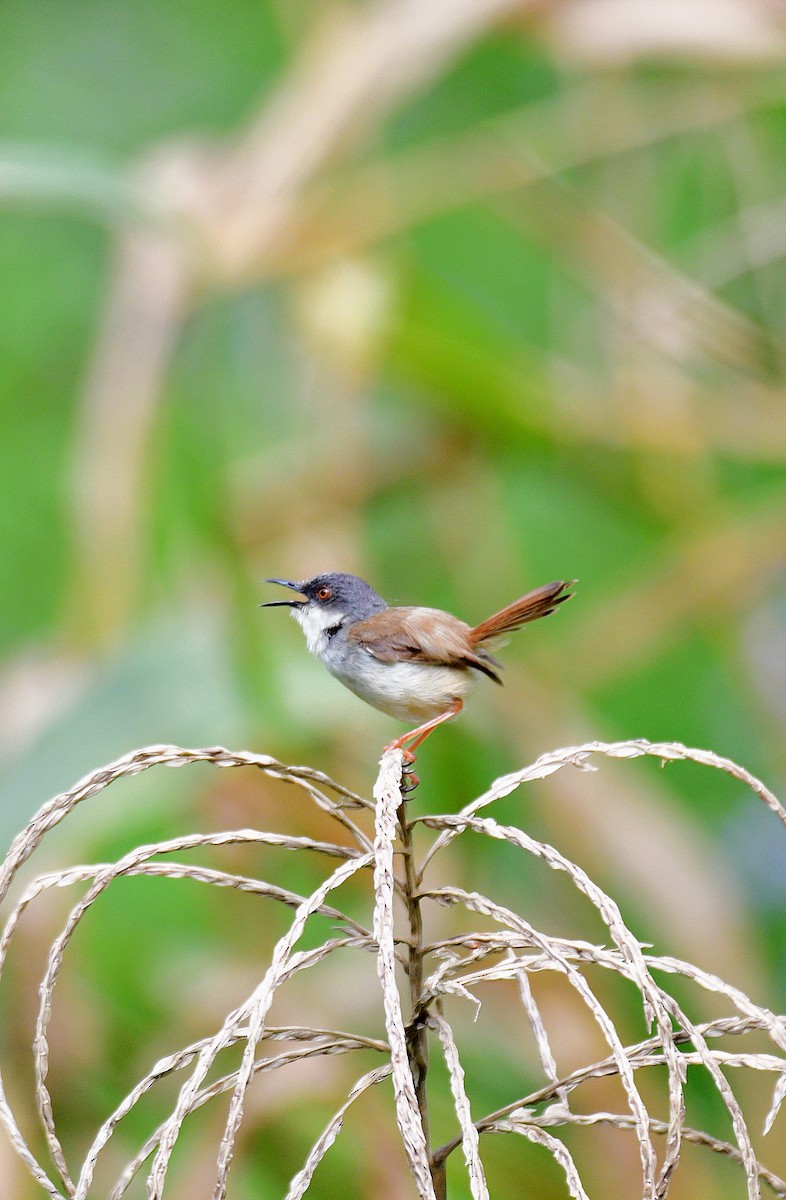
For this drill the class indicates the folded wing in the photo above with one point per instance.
(422, 635)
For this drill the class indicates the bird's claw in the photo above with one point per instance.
(409, 781)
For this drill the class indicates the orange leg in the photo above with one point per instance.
(416, 736)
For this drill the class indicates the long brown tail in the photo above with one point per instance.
(531, 607)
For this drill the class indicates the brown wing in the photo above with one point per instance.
(424, 635)
(531, 607)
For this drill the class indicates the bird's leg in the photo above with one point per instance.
(419, 735)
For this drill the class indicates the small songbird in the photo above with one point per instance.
(416, 664)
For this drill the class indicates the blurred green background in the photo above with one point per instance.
(462, 298)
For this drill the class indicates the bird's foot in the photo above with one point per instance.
(408, 755)
(409, 781)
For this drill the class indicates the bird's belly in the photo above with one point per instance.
(408, 691)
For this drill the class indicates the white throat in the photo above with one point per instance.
(315, 622)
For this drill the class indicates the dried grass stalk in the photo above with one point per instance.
(387, 793)
(441, 971)
(469, 1134)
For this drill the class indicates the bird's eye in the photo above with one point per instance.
(324, 593)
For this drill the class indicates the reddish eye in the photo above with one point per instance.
(324, 593)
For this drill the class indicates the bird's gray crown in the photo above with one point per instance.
(352, 595)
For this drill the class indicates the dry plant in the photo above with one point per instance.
(497, 945)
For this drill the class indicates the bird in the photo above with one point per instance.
(413, 663)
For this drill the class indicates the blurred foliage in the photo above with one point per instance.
(523, 324)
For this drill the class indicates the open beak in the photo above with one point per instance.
(287, 583)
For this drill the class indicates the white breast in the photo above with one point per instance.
(408, 691)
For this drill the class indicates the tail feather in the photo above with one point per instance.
(531, 607)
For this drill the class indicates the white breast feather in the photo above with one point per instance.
(409, 691)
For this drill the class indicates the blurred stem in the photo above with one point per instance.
(150, 293)
(43, 177)
(417, 1044)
